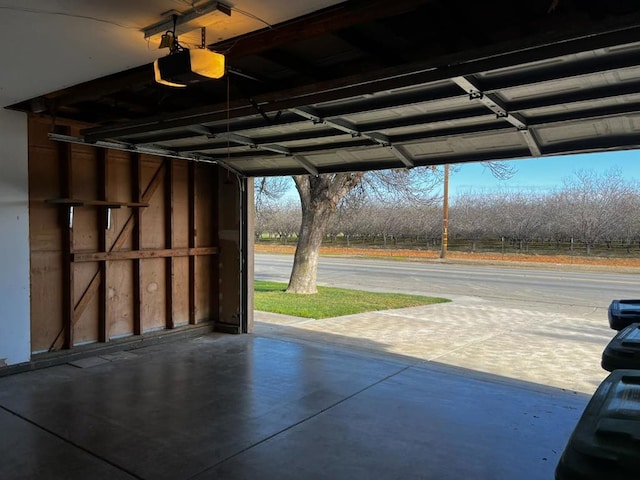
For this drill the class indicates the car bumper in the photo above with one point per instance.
(623, 313)
(623, 351)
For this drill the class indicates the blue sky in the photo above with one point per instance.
(542, 174)
(535, 174)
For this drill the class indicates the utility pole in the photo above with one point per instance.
(445, 213)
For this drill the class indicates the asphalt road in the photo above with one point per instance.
(563, 286)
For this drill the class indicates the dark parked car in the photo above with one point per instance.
(623, 350)
(604, 443)
(623, 313)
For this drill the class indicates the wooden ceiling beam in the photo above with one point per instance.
(374, 48)
(328, 20)
(291, 62)
(552, 31)
(91, 90)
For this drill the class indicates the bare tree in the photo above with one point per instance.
(264, 220)
(286, 220)
(428, 224)
(594, 204)
(269, 191)
(320, 197)
(352, 217)
(518, 216)
(630, 233)
(469, 217)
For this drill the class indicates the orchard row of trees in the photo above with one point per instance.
(586, 212)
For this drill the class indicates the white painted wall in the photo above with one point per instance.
(15, 342)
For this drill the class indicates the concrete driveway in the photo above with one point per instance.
(546, 344)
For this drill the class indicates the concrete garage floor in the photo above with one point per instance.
(261, 407)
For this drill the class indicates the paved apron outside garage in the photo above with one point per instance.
(470, 389)
(549, 344)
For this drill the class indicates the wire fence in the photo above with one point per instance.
(502, 245)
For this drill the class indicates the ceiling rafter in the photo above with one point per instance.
(380, 51)
(292, 62)
(329, 20)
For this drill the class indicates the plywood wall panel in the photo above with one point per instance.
(45, 240)
(119, 300)
(204, 282)
(38, 130)
(168, 288)
(86, 325)
(119, 219)
(44, 227)
(180, 205)
(85, 229)
(46, 299)
(205, 183)
(119, 176)
(44, 219)
(153, 294)
(119, 190)
(86, 238)
(153, 217)
(180, 282)
(84, 184)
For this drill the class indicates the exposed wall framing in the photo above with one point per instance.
(126, 244)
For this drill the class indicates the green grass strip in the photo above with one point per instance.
(331, 302)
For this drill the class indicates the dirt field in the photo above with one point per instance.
(462, 256)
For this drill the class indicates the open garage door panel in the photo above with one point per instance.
(577, 103)
(126, 244)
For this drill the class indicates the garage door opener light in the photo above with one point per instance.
(184, 66)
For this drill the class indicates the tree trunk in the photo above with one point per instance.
(305, 263)
(319, 198)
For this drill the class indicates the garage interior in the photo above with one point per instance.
(126, 212)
